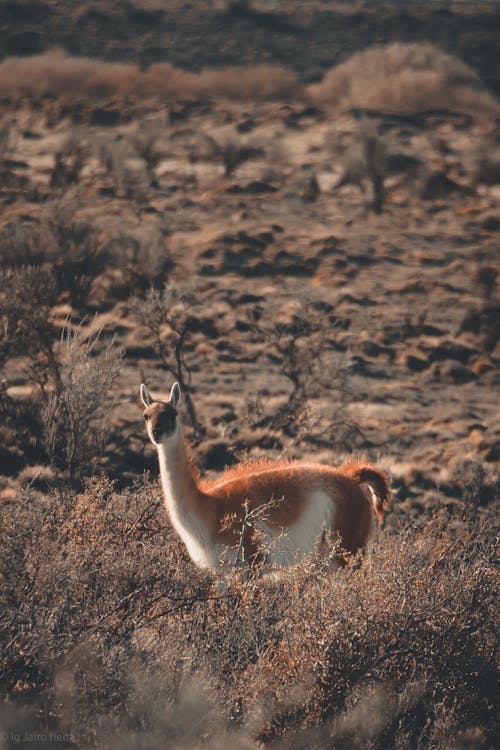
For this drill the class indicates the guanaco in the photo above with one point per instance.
(265, 514)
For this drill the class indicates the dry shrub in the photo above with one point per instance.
(26, 297)
(403, 78)
(70, 160)
(59, 239)
(109, 634)
(398, 77)
(230, 150)
(75, 415)
(485, 163)
(141, 259)
(301, 343)
(54, 73)
(64, 421)
(169, 317)
(85, 581)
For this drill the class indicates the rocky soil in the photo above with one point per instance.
(328, 315)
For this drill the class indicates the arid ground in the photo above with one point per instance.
(314, 256)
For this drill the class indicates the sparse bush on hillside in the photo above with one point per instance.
(113, 154)
(167, 314)
(369, 160)
(56, 74)
(69, 162)
(68, 408)
(485, 320)
(60, 239)
(230, 150)
(303, 349)
(479, 485)
(145, 142)
(26, 297)
(404, 78)
(397, 652)
(75, 415)
(7, 137)
(142, 260)
(72, 247)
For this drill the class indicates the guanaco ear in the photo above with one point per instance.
(145, 396)
(175, 394)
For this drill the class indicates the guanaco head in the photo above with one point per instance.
(161, 417)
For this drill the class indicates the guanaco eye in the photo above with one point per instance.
(146, 417)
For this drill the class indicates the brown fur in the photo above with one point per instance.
(288, 484)
(277, 492)
(376, 479)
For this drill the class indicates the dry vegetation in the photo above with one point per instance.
(393, 78)
(404, 78)
(320, 272)
(113, 638)
(56, 74)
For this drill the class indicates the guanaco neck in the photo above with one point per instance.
(189, 511)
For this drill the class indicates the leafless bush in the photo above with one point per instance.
(167, 315)
(367, 161)
(404, 78)
(69, 162)
(6, 141)
(27, 337)
(303, 347)
(106, 627)
(26, 297)
(73, 248)
(145, 142)
(113, 153)
(485, 319)
(371, 159)
(75, 416)
(478, 484)
(68, 406)
(230, 150)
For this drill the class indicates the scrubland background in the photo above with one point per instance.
(293, 209)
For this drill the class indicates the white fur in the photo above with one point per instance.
(290, 545)
(191, 530)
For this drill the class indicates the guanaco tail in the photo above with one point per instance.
(265, 514)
